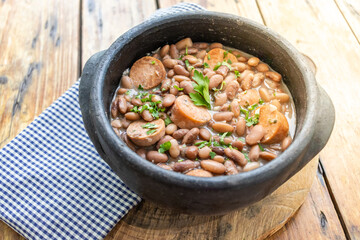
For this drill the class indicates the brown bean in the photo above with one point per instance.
(146, 115)
(265, 95)
(116, 123)
(267, 155)
(223, 116)
(170, 129)
(246, 79)
(219, 159)
(174, 150)
(262, 67)
(169, 63)
(273, 76)
(174, 53)
(222, 127)
(251, 166)
(179, 134)
(238, 144)
(180, 70)
(169, 100)
(164, 139)
(165, 166)
(201, 45)
(184, 166)
(239, 66)
(190, 50)
(114, 109)
(121, 91)
(231, 89)
(130, 144)
(132, 116)
(253, 61)
(164, 50)
(209, 73)
(271, 84)
(187, 86)
(213, 166)
(156, 98)
(183, 43)
(199, 173)
(282, 97)
(230, 168)
(241, 126)
(254, 153)
(191, 136)
(127, 98)
(126, 82)
(218, 150)
(223, 70)
(227, 140)
(220, 99)
(125, 123)
(180, 78)
(156, 157)
(191, 59)
(215, 80)
(285, 143)
(255, 135)
(204, 152)
(236, 155)
(235, 107)
(170, 73)
(173, 90)
(122, 105)
(277, 104)
(258, 79)
(242, 59)
(192, 152)
(204, 134)
(141, 152)
(136, 102)
(165, 85)
(201, 54)
(215, 45)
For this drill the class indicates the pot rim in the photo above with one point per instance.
(276, 167)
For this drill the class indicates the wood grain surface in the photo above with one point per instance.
(43, 45)
(318, 29)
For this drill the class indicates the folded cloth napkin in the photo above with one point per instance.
(53, 184)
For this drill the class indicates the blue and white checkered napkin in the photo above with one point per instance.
(53, 183)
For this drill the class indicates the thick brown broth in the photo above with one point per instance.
(203, 140)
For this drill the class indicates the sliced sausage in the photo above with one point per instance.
(216, 55)
(185, 114)
(140, 135)
(275, 124)
(147, 72)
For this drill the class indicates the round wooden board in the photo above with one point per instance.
(258, 221)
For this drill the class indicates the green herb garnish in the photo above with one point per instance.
(187, 64)
(225, 54)
(201, 97)
(212, 155)
(246, 156)
(252, 107)
(186, 50)
(149, 125)
(140, 87)
(178, 88)
(151, 131)
(164, 147)
(229, 61)
(237, 74)
(167, 121)
(261, 147)
(127, 92)
(241, 139)
(206, 65)
(153, 62)
(208, 57)
(250, 120)
(219, 64)
(261, 101)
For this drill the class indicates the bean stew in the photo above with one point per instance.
(203, 109)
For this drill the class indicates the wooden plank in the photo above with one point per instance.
(318, 29)
(317, 204)
(104, 21)
(38, 59)
(351, 12)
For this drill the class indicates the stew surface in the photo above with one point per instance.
(203, 109)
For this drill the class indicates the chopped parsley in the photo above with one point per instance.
(241, 139)
(149, 125)
(221, 87)
(261, 147)
(212, 155)
(151, 131)
(219, 64)
(250, 120)
(225, 54)
(186, 50)
(229, 61)
(246, 156)
(140, 87)
(127, 92)
(187, 64)
(202, 144)
(261, 101)
(148, 98)
(151, 106)
(252, 107)
(202, 96)
(178, 88)
(208, 57)
(167, 121)
(272, 121)
(153, 62)
(206, 65)
(237, 74)
(165, 147)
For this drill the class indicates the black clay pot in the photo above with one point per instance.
(217, 195)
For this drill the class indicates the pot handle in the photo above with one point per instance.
(323, 127)
(86, 82)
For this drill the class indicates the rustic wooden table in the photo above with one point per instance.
(44, 45)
